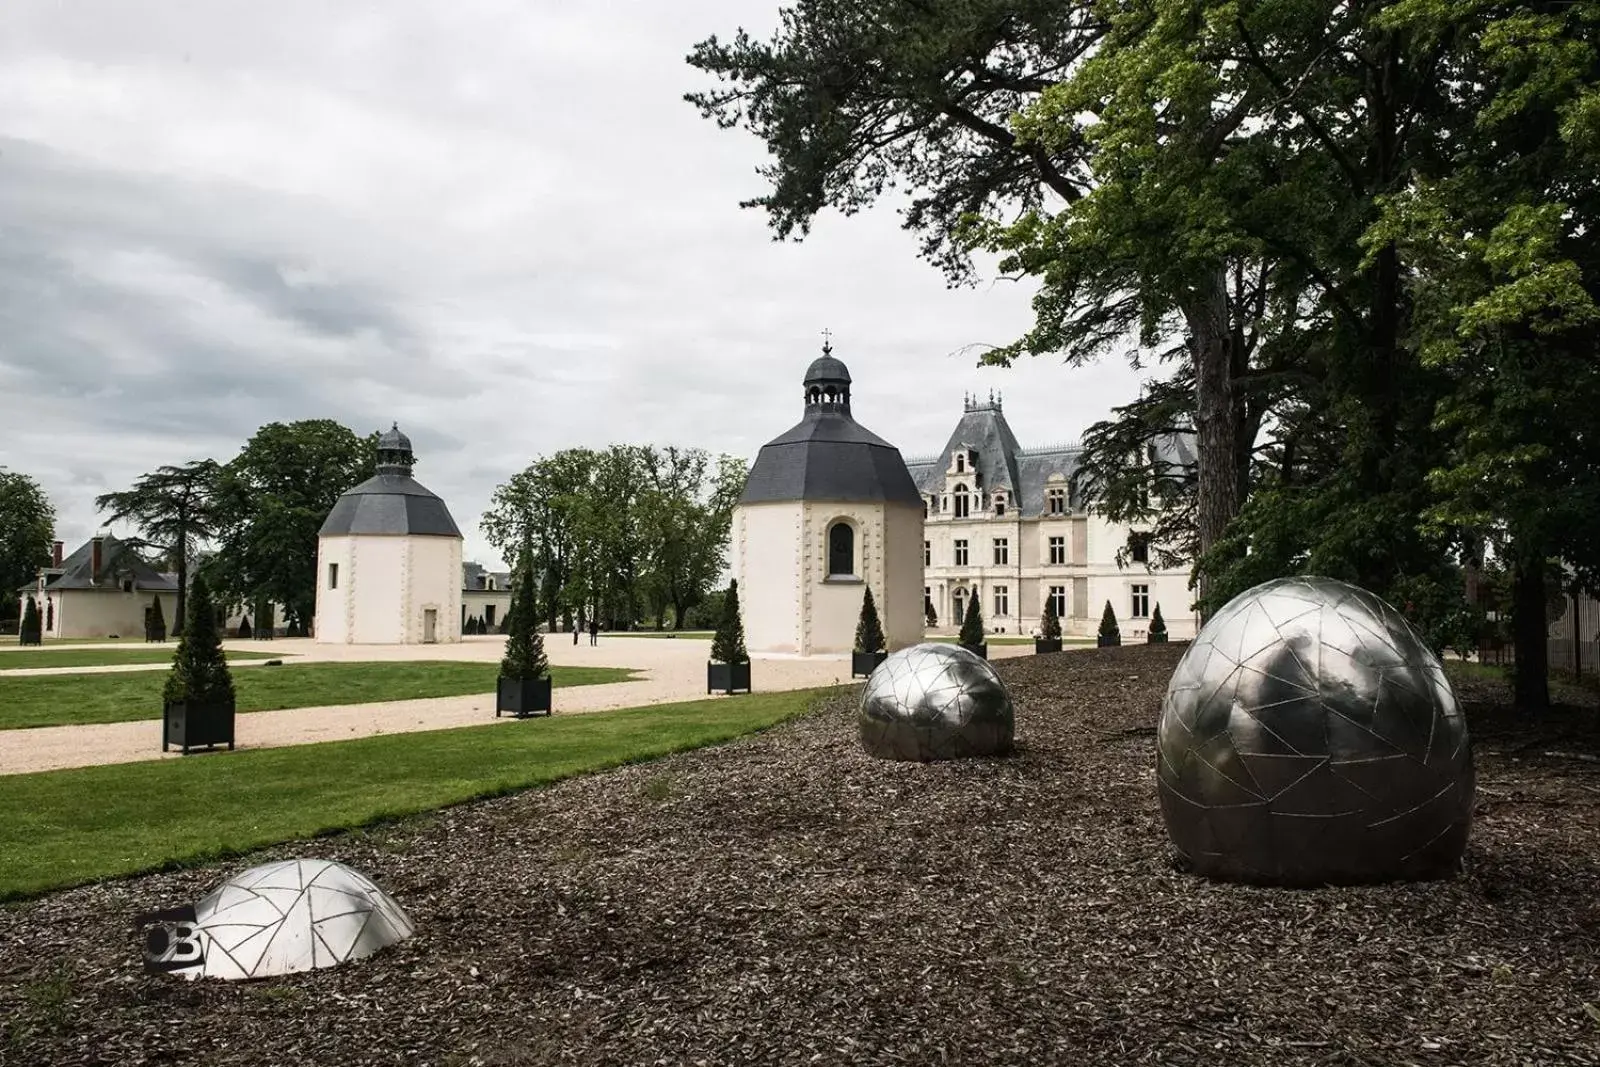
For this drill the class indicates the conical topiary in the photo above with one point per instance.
(929, 614)
(1108, 622)
(728, 644)
(199, 672)
(972, 626)
(244, 630)
(869, 631)
(158, 620)
(1050, 625)
(525, 657)
(1158, 628)
(30, 632)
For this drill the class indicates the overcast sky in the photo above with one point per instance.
(495, 221)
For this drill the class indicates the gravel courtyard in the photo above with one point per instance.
(786, 900)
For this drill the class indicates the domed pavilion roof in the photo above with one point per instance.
(391, 503)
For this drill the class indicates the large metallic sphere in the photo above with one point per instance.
(1309, 737)
(935, 702)
(296, 915)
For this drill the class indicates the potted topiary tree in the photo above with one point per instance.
(244, 630)
(929, 614)
(524, 686)
(729, 669)
(1049, 639)
(971, 637)
(197, 702)
(1158, 628)
(1109, 634)
(30, 632)
(869, 650)
(155, 621)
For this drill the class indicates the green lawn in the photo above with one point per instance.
(75, 699)
(62, 828)
(103, 657)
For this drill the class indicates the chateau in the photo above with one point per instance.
(1003, 523)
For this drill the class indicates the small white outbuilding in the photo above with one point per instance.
(389, 560)
(829, 511)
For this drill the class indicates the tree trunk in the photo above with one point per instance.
(176, 630)
(1217, 422)
(1531, 631)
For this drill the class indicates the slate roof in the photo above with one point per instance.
(474, 575)
(117, 561)
(1024, 474)
(389, 504)
(827, 455)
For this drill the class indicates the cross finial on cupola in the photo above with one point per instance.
(394, 451)
(827, 342)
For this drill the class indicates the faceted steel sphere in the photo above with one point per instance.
(935, 702)
(297, 915)
(1310, 737)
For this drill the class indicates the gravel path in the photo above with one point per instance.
(787, 900)
(671, 670)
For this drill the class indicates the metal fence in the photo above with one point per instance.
(1574, 642)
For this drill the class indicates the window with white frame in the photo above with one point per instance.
(333, 576)
(1055, 502)
(1002, 551)
(1058, 551)
(927, 553)
(1058, 597)
(1141, 601)
(961, 553)
(960, 501)
(841, 550)
(1002, 600)
(1139, 547)
(961, 463)
(999, 504)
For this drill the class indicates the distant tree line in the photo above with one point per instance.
(622, 534)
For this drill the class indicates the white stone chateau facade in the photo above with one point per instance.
(1002, 524)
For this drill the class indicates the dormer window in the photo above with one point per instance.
(961, 462)
(999, 503)
(962, 501)
(1055, 501)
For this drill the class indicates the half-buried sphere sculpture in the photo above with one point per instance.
(936, 702)
(1309, 737)
(297, 915)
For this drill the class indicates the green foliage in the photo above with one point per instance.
(271, 500)
(869, 630)
(1158, 625)
(244, 632)
(1108, 622)
(30, 632)
(199, 672)
(707, 614)
(524, 656)
(728, 644)
(971, 635)
(174, 509)
(27, 524)
(620, 531)
(1050, 623)
(931, 616)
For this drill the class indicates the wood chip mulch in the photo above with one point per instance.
(786, 899)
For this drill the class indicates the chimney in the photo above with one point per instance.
(94, 559)
(55, 554)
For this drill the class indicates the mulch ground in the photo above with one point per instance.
(786, 899)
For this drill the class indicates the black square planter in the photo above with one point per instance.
(1046, 644)
(522, 697)
(728, 677)
(981, 651)
(196, 725)
(1108, 642)
(864, 663)
(1156, 639)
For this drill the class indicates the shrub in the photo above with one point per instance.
(525, 657)
(928, 612)
(244, 630)
(158, 620)
(1050, 625)
(972, 626)
(1158, 626)
(199, 672)
(707, 614)
(1108, 622)
(30, 632)
(728, 645)
(869, 631)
